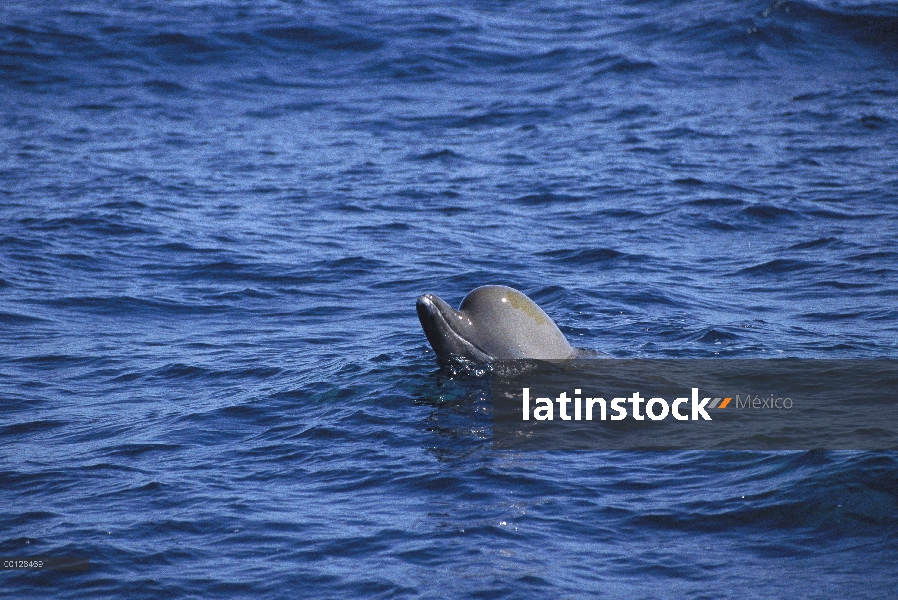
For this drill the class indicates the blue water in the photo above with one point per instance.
(215, 218)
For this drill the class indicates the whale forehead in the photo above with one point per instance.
(499, 299)
(508, 324)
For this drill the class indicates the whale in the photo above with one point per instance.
(493, 322)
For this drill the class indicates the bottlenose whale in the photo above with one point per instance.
(494, 322)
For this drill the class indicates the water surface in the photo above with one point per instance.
(215, 218)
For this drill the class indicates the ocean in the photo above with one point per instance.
(215, 218)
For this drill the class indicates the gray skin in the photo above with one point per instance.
(494, 322)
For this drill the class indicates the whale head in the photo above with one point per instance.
(493, 322)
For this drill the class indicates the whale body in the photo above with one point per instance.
(493, 322)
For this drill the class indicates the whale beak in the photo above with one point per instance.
(436, 317)
(433, 323)
(429, 308)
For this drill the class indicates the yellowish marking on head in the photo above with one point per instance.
(522, 303)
